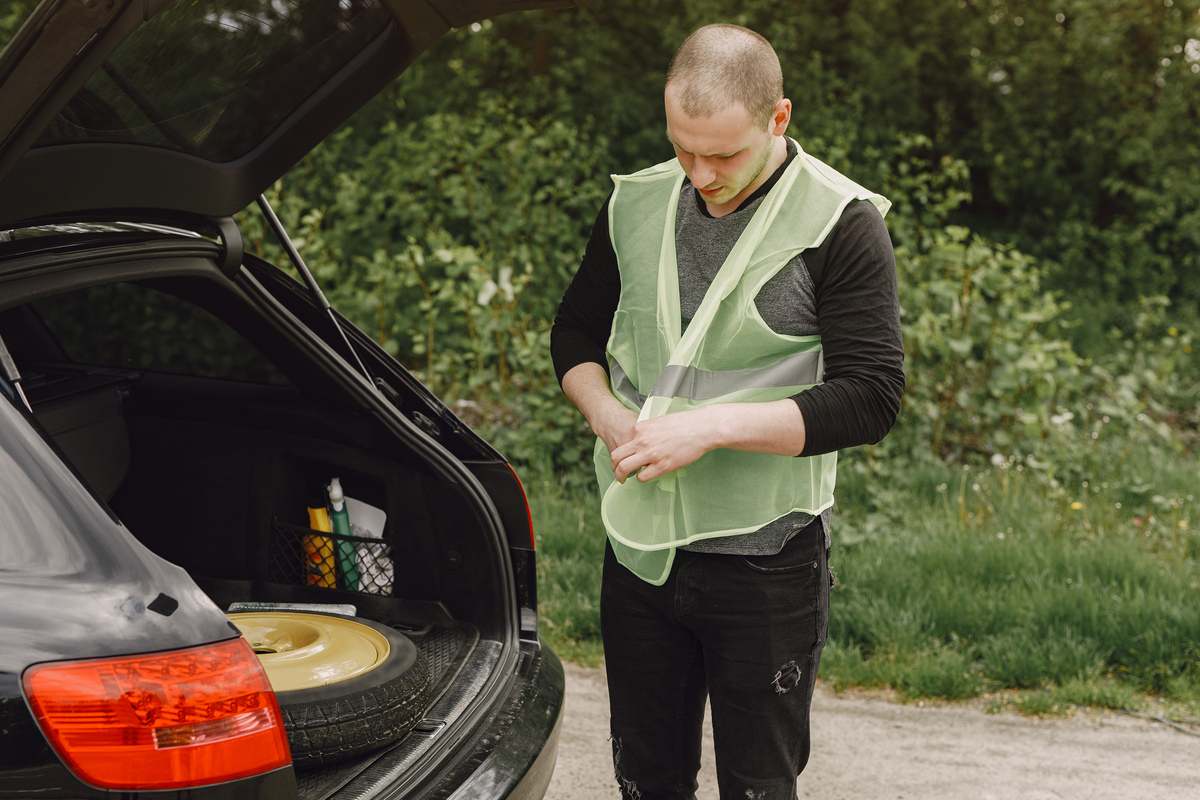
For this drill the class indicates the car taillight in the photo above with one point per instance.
(525, 498)
(161, 721)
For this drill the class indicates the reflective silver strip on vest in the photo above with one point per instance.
(623, 386)
(692, 383)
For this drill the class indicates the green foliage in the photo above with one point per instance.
(991, 365)
(987, 580)
(570, 550)
(1041, 164)
(1076, 121)
(980, 337)
(447, 218)
(942, 673)
(135, 326)
(12, 16)
(1045, 175)
(449, 240)
(1032, 586)
(1097, 693)
(1062, 700)
(1153, 370)
(1040, 703)
(1020, 659)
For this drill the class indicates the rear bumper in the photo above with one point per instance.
(511, 754)
(515, 751)
(508, 752)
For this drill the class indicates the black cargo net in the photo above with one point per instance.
(308, 557)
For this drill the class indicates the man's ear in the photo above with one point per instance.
(781, 116)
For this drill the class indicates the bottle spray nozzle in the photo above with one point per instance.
(336, 496)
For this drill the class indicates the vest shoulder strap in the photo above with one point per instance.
(834, 181)
(816, 199)
(818, 172)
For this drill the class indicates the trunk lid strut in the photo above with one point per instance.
(313, 287)
(9, 367)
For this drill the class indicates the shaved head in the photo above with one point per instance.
(722, 64)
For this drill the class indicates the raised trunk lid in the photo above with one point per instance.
(193, 105)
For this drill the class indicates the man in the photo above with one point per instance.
(733, 323)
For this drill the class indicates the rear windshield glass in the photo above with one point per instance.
(131, 326)
(215, 78)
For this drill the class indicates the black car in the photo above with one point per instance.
(176, 412)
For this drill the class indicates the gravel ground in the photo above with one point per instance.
(872, 749)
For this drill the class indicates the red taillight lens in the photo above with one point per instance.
(528, 511)
(163, 721)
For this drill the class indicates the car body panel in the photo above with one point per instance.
(530, 725)
(62, 558)
(75, 583)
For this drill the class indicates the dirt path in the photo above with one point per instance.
(872, 749)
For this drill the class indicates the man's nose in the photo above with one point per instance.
(703, 173)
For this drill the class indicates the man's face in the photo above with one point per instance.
(721, 154)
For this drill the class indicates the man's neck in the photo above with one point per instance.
(777, 157)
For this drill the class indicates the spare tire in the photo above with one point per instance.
(345, 685)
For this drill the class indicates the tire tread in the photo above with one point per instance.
(324, 733)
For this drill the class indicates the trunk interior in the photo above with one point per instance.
(210, 441)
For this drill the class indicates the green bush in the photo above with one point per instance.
(985, 351)
(1046, 181)
(449, 240)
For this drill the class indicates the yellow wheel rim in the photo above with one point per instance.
(302, 651)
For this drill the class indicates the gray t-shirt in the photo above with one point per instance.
(787, 303)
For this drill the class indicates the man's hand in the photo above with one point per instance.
(669, 442)
(664, 444)
(658, 446)
(615, 426)
(586, 385)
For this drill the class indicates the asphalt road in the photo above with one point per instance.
(872, 749)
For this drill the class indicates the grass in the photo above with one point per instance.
(1032, 588)
(1047, 592)
(570, 551)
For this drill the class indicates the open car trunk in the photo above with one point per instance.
(193, 404)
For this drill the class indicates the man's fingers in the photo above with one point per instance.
(630, 448)
(630, 464)
(618, 453)
(651, 472)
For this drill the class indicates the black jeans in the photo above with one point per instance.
(746, 630)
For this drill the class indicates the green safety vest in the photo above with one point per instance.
(728, 354)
